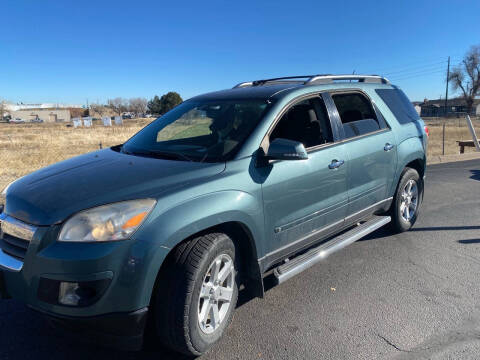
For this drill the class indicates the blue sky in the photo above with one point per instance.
(70, 51)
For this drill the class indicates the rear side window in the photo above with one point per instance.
(399, 105)
(357, 114)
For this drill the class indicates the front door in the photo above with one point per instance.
(304, 198)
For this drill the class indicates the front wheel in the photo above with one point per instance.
(406, 202)
(198, 294)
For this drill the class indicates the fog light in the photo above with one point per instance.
(67, 294)
(83, 293)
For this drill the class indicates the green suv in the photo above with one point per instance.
(157, 235)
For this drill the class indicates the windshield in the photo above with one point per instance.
(209, 131)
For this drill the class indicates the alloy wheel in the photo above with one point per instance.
(409, 201)
(216, 293)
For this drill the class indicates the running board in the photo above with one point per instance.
(313, 256)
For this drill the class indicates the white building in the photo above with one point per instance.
(61, 115)
(17, 107)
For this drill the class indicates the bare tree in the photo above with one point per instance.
(466, 76)
(2, 109)
(117, 105)
(138, 105)
(98, 109)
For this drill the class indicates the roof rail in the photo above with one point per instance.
(243, 84)
(325, 79)
(317, 79)
(285, 78)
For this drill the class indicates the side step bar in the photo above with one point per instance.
(313, 256)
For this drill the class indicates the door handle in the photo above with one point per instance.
(388, 147)
(336, 164)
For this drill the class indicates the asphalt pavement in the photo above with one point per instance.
(408, 296)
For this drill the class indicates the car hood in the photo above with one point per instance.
(52, 194)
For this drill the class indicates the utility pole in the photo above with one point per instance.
(446, 90)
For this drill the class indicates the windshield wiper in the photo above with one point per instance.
(159, 154)
(171, 154)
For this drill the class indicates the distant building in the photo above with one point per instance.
(47, 112)
(16, 107)
(436, 108)
(53, 115)
(416, 105)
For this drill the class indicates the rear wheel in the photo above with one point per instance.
(197, 295)
(406, 203)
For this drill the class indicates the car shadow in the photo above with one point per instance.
(475, 175)
(446, 228)
(469, 241)
(26, 334)
(380, 233)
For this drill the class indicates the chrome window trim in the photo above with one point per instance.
(265, 143)
(375, 109)
(376, 132)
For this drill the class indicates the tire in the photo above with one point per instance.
(403, 213)
(186, 293)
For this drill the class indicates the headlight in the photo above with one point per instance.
(3, 196)
(111, 222)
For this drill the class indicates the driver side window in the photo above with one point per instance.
(305, 121)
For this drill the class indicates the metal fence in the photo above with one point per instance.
(446, 134)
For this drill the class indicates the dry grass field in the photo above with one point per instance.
(455, 129)
(27, 147)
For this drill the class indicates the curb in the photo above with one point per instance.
(440, 159)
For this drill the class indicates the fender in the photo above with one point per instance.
(183, 220)
(408, 150)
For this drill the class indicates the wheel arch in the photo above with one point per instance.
(235, 213)
(410, 154)
(237, 231)
(419, 165)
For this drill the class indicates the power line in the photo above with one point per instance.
(418, 75)
(413, 72)
(408, 66)
(415, 67)
(416, 72)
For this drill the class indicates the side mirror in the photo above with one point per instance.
(284, 149)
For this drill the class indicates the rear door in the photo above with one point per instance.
(371, 148)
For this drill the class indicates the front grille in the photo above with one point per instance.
(15, 237)
(13, 246)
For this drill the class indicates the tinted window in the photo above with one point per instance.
(356, 113)
(199, 130)
(398, 104)
(307, 122)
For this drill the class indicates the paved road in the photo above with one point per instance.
(409, 296)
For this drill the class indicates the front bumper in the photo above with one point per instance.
(119, 330)
(131, 267)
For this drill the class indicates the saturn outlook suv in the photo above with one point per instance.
(156, 235)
